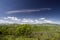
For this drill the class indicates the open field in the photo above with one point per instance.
(29, 32)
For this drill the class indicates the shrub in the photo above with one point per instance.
(24, 30)
(3, 30)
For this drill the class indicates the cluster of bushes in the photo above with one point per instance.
(18, 30)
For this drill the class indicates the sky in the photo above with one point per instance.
(30, 11)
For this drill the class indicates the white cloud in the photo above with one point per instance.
(5, 21)
(27, 10)
(12, 18)
(41, 18)
(36, 21)
(48, 21)
(25, 20)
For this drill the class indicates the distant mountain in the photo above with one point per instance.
(44, 24)
(49, 24)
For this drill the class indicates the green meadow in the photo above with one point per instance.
(30, 32)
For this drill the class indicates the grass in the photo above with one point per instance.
(38, 32)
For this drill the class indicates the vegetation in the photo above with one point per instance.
(29, 32)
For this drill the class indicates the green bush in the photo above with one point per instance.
(3, 30)
(24, 30)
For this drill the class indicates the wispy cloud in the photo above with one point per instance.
(27, 10)
(21, 11)
(41, 18)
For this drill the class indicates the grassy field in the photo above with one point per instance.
(29, 32)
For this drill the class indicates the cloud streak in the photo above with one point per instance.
(27, 11)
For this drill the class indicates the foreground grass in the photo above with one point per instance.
(29, 32)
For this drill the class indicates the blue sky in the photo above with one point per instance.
(30, 9)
